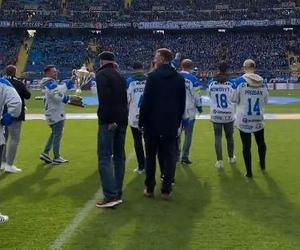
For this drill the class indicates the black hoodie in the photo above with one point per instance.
(163, 104)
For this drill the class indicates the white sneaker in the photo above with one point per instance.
(3, 218)
(60, 160)
(12, 169)
(232, 160)
(219, 164)
(3, 164)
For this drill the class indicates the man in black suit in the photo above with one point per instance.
(161, 113)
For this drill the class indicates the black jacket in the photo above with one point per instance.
(163, 103)
(112, 96)
(23, 93)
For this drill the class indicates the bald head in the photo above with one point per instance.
(249, 66)
(187, 65)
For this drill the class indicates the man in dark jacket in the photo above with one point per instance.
(13, 131)
(113, 119)
(161, 114)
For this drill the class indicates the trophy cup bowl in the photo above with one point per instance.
(81, 77)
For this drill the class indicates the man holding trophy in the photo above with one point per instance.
(54, 102)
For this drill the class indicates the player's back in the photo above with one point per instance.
(250, 106)
(221, 107)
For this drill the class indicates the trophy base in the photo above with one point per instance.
(76, 101)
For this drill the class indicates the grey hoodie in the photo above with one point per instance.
(55, 100)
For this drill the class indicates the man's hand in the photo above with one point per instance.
(76, 100)
(112, 126)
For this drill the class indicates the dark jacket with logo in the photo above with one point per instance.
(23, 93)
(163, 104)
(112, 96)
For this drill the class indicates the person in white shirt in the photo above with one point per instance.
(193, 104)
(10, 109)
(135, 90)
(220, 93)
(251, 97)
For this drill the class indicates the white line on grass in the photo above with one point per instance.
(92, 116)
(78, 219)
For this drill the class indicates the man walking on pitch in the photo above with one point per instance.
(251, 96)
(161, 114)
(193, 104)
(112, 119)
(135, 90)
(220, 93)
(55, 100)
(13, 131)
(10, 100)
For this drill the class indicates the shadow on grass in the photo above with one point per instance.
(88, 185)
(33, 187)
(139, 218)
(269, 208)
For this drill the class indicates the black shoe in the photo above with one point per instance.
(262, 166)
(186, 162)
(148, 194)
(248, 175)
(44, 157)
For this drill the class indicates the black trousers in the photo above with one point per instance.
(262, 149)
(138, 147)
(165, 148)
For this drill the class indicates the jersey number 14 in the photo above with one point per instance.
(253, 109)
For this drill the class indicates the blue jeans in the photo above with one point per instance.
(111, 156)
(188, 135)
(55, 139)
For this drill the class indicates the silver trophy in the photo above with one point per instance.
(82, 77)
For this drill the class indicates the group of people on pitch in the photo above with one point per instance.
(159, 107)
(162, 105)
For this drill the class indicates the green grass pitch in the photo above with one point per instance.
(210, 209)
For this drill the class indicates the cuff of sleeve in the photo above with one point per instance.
(66, 99)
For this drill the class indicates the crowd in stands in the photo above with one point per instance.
(206, 49)
(147, 10)
(31, 4)
(105, 5)
(65, 50)
(9, 49)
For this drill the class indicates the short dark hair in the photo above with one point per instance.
(11, 70)
(223, 67)
(107, 55)
(137, 66)
(48, 68)
(166, 54)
